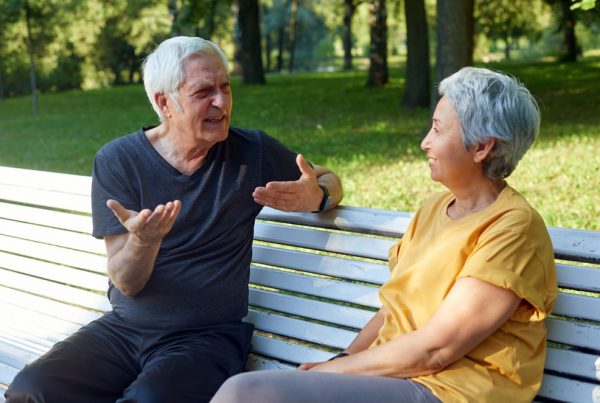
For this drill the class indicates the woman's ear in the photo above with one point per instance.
(482, 150)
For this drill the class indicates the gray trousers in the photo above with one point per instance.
(305, 386)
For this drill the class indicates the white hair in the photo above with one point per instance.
(490, 104)
(163, 68)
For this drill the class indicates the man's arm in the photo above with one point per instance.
(131, 255)
(304, 194)
(471, 312)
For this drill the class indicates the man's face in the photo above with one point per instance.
(205, 97)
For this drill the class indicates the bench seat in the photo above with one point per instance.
(314, 281)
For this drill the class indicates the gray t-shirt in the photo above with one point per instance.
(202, 268)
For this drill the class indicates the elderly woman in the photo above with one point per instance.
(472, 279)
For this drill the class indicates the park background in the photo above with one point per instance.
(348, 83)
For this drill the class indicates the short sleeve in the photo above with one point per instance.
(507, 259)
(278, 161)
(106, 185)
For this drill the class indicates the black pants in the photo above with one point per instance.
(110, 360)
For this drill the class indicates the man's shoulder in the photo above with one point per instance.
(122, 143)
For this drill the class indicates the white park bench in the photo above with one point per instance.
(314, 281)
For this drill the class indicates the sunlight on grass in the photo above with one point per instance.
(361, 133)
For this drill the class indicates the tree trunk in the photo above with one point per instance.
(378, 69)
(349, 9)
(280, 46)
(174, 13)
(32, 78)
(292, 35)
(507, 46)
(569, 39)
(1, 85)
(416, 87)
(250, 52)
(268, 49)
(455, 39)
(209, 19)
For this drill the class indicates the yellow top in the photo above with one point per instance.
(507, 245)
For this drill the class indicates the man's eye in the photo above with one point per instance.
(225, 87)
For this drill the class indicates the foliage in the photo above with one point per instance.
(362, 133)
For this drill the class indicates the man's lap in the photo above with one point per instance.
(108, 356)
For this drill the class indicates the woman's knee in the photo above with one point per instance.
(249, 387)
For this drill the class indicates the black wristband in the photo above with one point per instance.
(340, 355)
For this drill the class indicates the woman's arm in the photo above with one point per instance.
(472, 310)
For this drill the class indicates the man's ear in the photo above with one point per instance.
(161, 102)
(482, 150)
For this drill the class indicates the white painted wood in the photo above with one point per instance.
(316, 286)
(347, 218)
(578, 277)
(54, 291)
(57, 200)
(310, 308)
(575, 333)
(346, 268)
(577, 306)
(567, 390)
(572, 363)
(578, 245)
(49, 218)
(56, 254)
(374, 248)
(55, 181)
(52, 236)
(286, 351)
(54, 272)
(257, 363)
(300, 329)
(60, 310)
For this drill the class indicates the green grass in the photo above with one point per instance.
(361, 133)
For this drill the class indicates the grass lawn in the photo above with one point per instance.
(361, 133)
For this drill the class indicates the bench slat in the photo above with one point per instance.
(49, 218)
(319, 310)
(578, 277)
(52, 308)
(54, 272)
(55, 181)
(320, 264)
(62, 201)
(315, 286)
(578, 334)
(571, 363)
(54, 291)
(52, 236)
(287, 351)
(56, 254)
(346, 218)
(568, 390)
(300, 329)
(334, 242)
(577, 306)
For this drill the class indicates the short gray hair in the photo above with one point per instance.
(490, 104)
(163, 69)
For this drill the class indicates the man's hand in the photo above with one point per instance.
(301, 195)
(308, 365)
(147, 225)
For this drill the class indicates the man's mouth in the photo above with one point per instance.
(216, 119)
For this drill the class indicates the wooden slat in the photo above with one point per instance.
(54, 291)
(350, 269)
(54, 272)
(49, 218)
(300, 329)
(257, 363)
(577, 306)
(572, 363)
(347, 218)
(54, 181)
(575, 244)
(568, 390)
(287, 351)
(52, 236)
(49, 307)
(578, 277)
(47, 198)
(56, 254)
(319, 310)
(335, 242)
(582, 335)
(318, 287)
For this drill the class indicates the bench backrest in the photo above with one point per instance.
(314, 281)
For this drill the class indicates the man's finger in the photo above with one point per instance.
(304, 166)
(121, 212)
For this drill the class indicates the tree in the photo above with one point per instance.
(378, 69)
(349, 10)
(506, 20)
(416, 87)
(454, 33)
(250, 49)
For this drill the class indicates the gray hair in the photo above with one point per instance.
(163, 69)
(494, 105)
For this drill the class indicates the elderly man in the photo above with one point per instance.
(176, 204)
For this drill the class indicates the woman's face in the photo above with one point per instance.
(449, 161)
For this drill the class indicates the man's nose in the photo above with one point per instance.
(221, 99)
